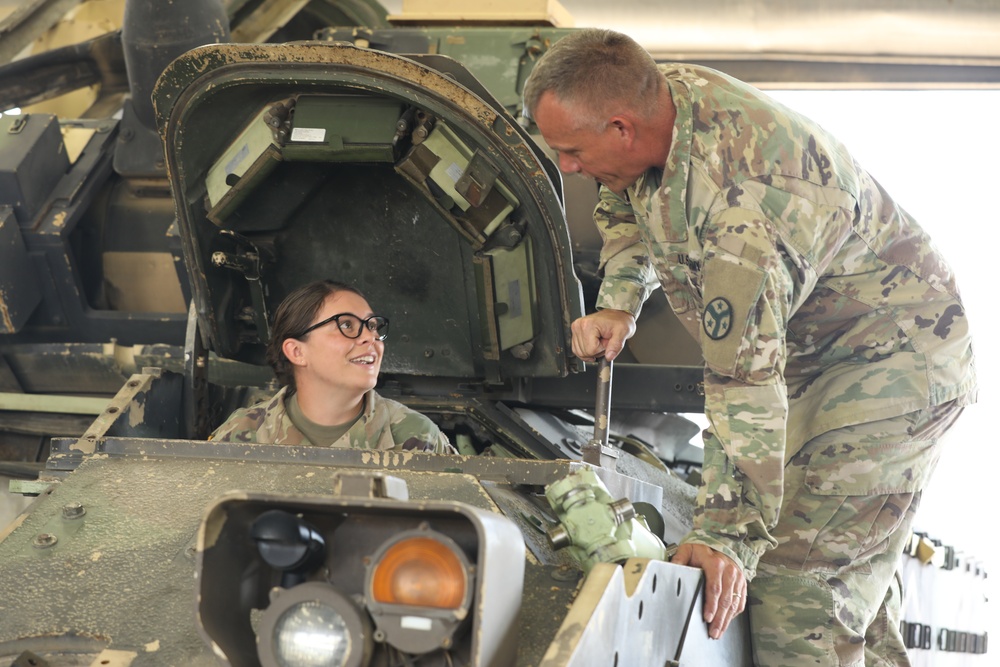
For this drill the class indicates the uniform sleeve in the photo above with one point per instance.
(412, 431)
(628, 276)
(265, 422)
(747, 288)
(240, 427)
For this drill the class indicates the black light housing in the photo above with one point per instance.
(247, 541)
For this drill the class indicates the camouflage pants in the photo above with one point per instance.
(828, 594)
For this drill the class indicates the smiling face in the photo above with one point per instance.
(606, 155)
(327, 360)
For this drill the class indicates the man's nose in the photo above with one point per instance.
(568, 164)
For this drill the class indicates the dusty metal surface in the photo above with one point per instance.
(530, 511)
(123, 572)
(643, 613)
(549, 591)
(67, 455)
(120, 533)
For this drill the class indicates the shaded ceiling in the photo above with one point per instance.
(813, 43)
(918, 28)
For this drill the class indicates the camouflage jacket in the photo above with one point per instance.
(385, 424)
(817, 302)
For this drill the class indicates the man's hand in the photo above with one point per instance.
(602, 334)
(725, 585)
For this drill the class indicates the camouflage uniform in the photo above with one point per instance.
(836, 348)
(385, 424)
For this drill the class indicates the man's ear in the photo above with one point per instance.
(624, 129)
(293, 351)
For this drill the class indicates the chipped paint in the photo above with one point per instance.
(595, 588)
(136, 413)
(183, 73)
(12, 526)
(115, 658)
(85, 445)
(215, 520)
(59, 219)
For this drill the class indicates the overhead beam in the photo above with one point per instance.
(29, 22)
(264, 20)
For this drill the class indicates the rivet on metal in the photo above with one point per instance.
(44, 540)
(73, 510)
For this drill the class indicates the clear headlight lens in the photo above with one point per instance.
(311, 634)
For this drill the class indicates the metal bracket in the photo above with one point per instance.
(477, 180)
(247, 262)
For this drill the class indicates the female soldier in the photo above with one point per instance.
(326, 348)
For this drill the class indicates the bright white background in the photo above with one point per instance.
(938, 154)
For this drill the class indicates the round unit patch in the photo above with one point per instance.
(717, 319)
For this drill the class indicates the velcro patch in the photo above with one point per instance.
(731, 289)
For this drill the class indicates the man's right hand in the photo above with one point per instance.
(725, 585)
(602, 334)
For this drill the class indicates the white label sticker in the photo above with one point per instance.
(415, 623)
(454, 171)
(309, 134)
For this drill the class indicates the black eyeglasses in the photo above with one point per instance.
(351, 325)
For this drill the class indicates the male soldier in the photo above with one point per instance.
(326, 347)
(836, 347)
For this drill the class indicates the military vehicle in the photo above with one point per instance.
(95, 286)
(273, 165)
(146, 252)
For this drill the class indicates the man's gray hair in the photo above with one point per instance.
(600, 70)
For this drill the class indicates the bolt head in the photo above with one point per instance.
(44, 540)
(73, 510)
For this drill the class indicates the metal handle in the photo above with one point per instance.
(597, 451)
(602, 410)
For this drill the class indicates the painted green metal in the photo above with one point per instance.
(75, 405)
(594, 526)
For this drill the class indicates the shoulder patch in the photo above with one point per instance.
(717, 318)
(732, 289)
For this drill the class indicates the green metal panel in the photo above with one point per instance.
(343, 128)
(514, 287)
(77, 405)
(247, 160)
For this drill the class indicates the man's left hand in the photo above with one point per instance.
(725, 585)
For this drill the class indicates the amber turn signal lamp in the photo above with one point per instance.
(420, 571)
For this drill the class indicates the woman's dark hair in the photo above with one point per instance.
(296, 313)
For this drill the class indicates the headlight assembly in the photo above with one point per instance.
(419, 590)
(357, 581)
(313, 625)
